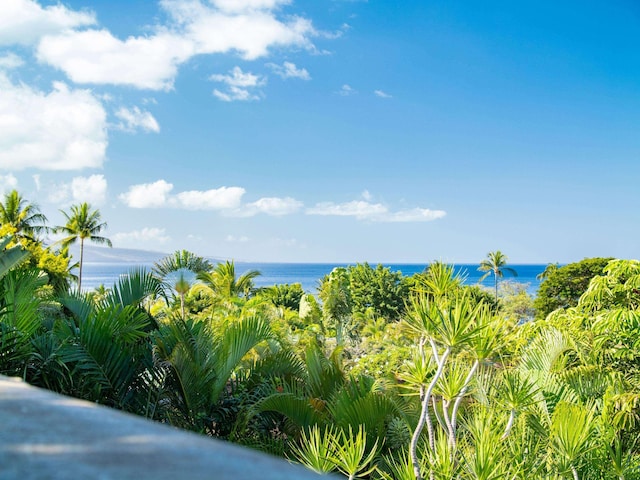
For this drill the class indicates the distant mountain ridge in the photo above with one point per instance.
(93, 254)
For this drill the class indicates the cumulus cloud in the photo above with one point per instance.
(7, 183)
(134, 119)
(25, 21)
(227, 200)
(157, 194)
(238, 84)
(147, 195)
(375, 212)
(10, 61)
(223, 198)
(274, 206)
(289, 70)
(146, 235)
(64, 129)
(247, 27)
(232, 25)
(92, 189)
(96, 56)
(381, 94)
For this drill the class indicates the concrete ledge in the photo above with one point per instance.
(48, 436)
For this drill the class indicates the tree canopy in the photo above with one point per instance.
(563, 286)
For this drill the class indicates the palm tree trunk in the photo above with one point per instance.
(496, 282)
(80, 272)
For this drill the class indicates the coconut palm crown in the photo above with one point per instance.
(224, 281)
(495, 264)
(83, 223)
(23, 216)
(178, 271)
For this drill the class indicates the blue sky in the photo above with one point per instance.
(333, 130)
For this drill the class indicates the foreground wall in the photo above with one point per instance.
(47, 436)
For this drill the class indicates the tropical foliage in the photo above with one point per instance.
(380, 377)
(562, 286)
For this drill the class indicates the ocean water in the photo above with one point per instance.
(307, 274)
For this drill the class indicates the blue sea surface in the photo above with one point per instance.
(307, 274)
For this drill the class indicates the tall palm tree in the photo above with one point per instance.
(178, 270)
(495, 264)
(23, 216)
(83, 223)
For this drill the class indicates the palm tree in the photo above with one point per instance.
(495, 264)
(178, 270)
(224, 282)
(23, 216)
(85, 224)
(549, 269)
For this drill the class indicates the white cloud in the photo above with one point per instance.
(63, 129)
(96, 56)
(10, 61)
(346, 90)
(238, 85)
(375, 212)
(147, 195)
(244, 5)
(24, 21)
(414, 215)
(274, 206)
(249, 31)
(235, 94)
(381, 94)
(367, 196)
(289, 70)
(238, 78)
(357, 208)
(157, 194)
(7, 183)
(134, 118)
(223, 198)
(249, 27)
(36, 180)
(146, 235)
(92, 189)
